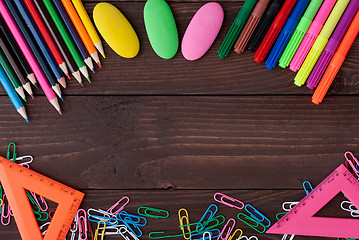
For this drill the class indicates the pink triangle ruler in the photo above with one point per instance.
(301, 220)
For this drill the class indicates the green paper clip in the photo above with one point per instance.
(154, 210)
(8, 154)
(278, 216)
(255, 225)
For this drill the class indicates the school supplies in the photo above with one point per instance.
(122, 38)
(299, 33)
(229, 201)
(336, 61)
(227, 229)
(88, 25)
(98, 229)
(184, 220)
(5, 82)
(29, 56)
(153, 212)
(251, 222)
(15, 179)
(332, 44)
(236, 28)
(264, 24)
(301, 220)
(161, 28)
(202, 31)
(118, 203)
(274, 30)
(286, 33)
(250, 26)
(311, 35)
(320, 43)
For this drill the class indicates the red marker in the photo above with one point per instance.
(274, 30)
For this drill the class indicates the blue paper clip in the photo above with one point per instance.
(307, 187)
(130, 219)
(104, 216)
(207, 212)
(258, 216)
(8, 154)
(253, 223)
(214, 234)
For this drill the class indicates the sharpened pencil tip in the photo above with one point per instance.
(24, 99)
(32, 96)
(27, 120)
(60, 112)
(68, 76)
(93, 70)
(99, 64)
(81, 84)
(62, 98)
(88, 79)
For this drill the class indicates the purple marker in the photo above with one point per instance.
(333, 44)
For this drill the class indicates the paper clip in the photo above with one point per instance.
(153, 235)
(125, 233)
(42, 228)
(224, 197)
(210, 214)
(209, 237)
(234, 234)
(97, 230)
(5, 216)
(131, 218)
(253, 223)
(8, 153)
(42, 208)
(278, 216)
(184, 216)
(256, 215)
(73, 228)
(28, 159)
(112, 230)
(111, 209)
(214, 234)
(154, 210)
(307, 188)
(227, 228)
(287, 206)
(248, 238)
(107, 217)
(1, 199)
(51, 214)
(349, 156)
(205, 226)
(82, 224)
(285, 236)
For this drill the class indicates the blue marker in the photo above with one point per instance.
(5, 82)
(286, 33)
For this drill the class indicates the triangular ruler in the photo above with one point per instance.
(301, 220)
(15, 179)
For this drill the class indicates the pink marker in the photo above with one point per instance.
(29, 56)
(311, 34)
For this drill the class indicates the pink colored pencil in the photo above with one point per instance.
(29, 56)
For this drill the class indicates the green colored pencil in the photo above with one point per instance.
(65, 35)
(11, 75)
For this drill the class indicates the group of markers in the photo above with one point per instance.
(312, 36)
(43, 41)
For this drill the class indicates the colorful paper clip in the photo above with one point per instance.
(127, 235)
(73, 228)
(111, 209)
(207, 225)
(354, 212)
(256, 215)
(285, 237)
(232, 237)
(161, 235)
(102, 232)
(5, 212)
(227, 229)
(224, 197)
(184, 220)
(43, 228)
(307, 187)
(199, 235)
(24, 160)
(132, 222)
(165, 214)
(11, 154)
(211, 211)
(287, 206)
(43, 208)
(112, 230)
(207, 235)
(249, 238)
(350, 158)
(279, 215)
(259, 227)
(107, 217)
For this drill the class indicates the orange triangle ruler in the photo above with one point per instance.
(301, 220)
(16, 179)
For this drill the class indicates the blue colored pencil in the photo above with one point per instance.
(41, 42)
(19, 21)
(5, 82)
(75, 37)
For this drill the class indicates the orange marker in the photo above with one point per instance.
(81, 30)
(337, 61)
(16, 179)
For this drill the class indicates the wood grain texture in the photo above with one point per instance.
(185, 142)
(196, 202)
(238, 74)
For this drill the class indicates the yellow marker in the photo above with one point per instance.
(321, 42)
(88, 25)
(116, 30)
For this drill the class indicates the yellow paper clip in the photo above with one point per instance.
(234, 233)
(184, 220)
(98, 228)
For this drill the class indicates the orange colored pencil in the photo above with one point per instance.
(81, 30)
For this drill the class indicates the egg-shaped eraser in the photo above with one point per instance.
(161, 28)
(116, 30)
(202, 31)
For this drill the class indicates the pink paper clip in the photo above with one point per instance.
(349, 156)
(227, 228)
(224, 197)
(111, 209)
(43, 208)
(82, 224)
(5, 206)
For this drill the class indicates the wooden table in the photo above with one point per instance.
(171, 133)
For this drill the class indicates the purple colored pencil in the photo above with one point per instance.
(332, 44)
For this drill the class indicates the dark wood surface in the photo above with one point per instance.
(171, 133)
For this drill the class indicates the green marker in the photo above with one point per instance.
(236, 28)
(66, 37)
(299, 33)
(11, 75)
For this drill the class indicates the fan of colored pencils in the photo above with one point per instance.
(44, 41)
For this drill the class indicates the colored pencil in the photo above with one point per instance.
(23, 29)
(40, 42)
(75, 37)
(12, 94)
(88, 25)
(65, 35)
(10, 41)
(46, 36)
(59, 42)
(81, 31)
(10, 57)
(11, 75)
(29, 56)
